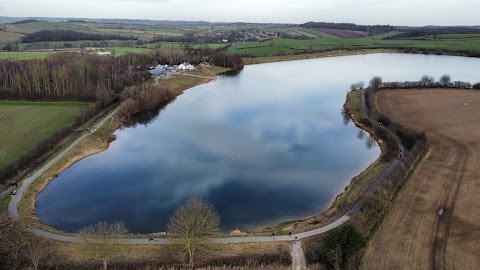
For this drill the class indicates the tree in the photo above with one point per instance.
(361, 84)
(102, 239)
(37, 250)
(376, 82)
(427, 81)
(339, 245)
(193, 221)
(14, 240)
(445, 80)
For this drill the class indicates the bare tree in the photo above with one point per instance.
(102, 239)
(427, 81)
(445, 80)
(37, 249)
(14, 240)
(361, 84)
(193, 221)
(376, 82)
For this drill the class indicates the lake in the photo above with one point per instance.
(265, 146)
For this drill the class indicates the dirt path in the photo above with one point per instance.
(298, 259)
(414, 235)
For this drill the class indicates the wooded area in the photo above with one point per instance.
(69, 35)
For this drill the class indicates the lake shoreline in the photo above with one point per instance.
(265, 230)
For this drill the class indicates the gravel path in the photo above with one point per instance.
(13, 212)
(298, 259)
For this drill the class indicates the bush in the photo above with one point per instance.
(385, 120)
(339, 245)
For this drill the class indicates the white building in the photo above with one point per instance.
(186, 66)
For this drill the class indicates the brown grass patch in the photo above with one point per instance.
(413, 235)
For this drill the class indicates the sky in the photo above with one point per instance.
(393, 12)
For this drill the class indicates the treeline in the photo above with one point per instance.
(72, 77)
(26, 21)
(427, 81)
(371, 29)
(69, 35)
(408, 136)
(427, 31)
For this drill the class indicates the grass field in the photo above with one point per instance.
(23, 124)
(28, 28)
(124, 50)
(414, 235)
(23, 55)
(293, 46)
(7, 37)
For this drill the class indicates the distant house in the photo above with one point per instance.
(103, 53)
(186, 66)
(157, 72)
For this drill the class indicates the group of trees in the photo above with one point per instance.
(21, 250)
(143, 97)
(72, 77)
(427, 81)
(371, 29)
(69, 35)
(337, 247)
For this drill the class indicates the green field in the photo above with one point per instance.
(23, 124)
(23, 55)
(7, 37)
(293, 46)
(28, 28)
(124, 50)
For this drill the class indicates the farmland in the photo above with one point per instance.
(248, 40)
(26, 123)
(414, 234)
(293, 46)
(23, 55)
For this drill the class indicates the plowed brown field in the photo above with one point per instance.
(414, 235)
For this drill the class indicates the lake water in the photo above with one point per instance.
(265, 146)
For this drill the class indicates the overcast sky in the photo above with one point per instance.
(394, 12)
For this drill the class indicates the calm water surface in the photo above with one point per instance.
(265, 146)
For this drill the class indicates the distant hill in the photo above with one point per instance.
(11, 20)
